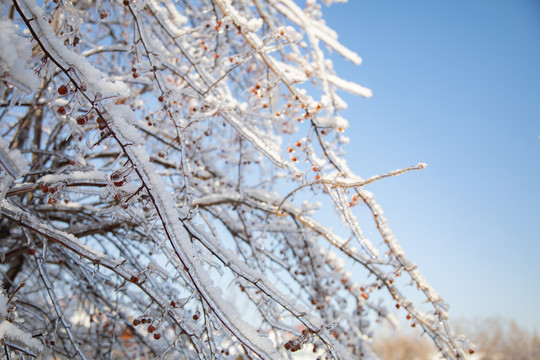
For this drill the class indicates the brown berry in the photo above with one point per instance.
(63, 90)
(136, 322)
(151, 328)
(61, 110)
(82, 120)
(157, 336)
(119, 183)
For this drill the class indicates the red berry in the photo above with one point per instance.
(52, 342)
(134, 279)
(196, 317)
(157, 336)
(45, 188)
(81, 120)
(52, 190)
(53, 201)
(136, 322)
(61, 110)
(160, 98)
(31, 251)
(119, 183)
(62, 90)
(151, 328)
(126, 2)
(471, 351)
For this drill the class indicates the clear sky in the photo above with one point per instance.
(456, 85)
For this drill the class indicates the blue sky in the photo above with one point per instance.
(456, 85)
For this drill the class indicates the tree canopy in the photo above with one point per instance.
(168, 174)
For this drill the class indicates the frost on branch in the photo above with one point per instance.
(164, 170)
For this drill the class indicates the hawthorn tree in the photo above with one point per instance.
(162, 165)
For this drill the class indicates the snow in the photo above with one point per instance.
(316, 28)
(11, 332)
(91, 176)
(12, 160)
(15, 55)
(349, 86)
(95, 79)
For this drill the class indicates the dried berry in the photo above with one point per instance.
(82, 120)
(63, 90)
(119, 182)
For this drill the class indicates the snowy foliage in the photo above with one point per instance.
(163, 165)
